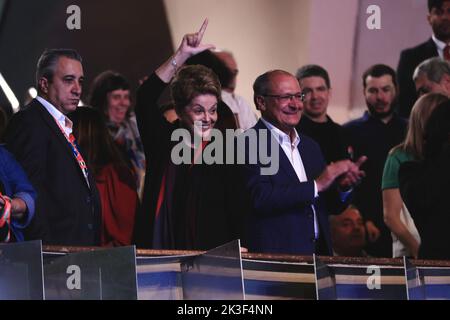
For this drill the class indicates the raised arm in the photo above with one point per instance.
(190, 46)
(153, 127)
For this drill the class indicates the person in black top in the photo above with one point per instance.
(315, 83)
(425, 187)
(186, 205)
(373, 135)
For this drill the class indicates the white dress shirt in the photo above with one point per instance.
(439, 45)
(290, 148)
(63, 121)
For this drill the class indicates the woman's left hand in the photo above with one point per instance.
(190, 46)
(192, 42)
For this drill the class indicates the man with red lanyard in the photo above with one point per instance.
(40, 136)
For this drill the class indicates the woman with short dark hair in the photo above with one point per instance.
(110, 94)
(185, 205)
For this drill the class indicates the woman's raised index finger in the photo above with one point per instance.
(203, 28)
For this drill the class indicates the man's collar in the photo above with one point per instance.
(58, 115)
(279, 135)
(439, 44)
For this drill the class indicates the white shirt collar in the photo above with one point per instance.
(62, 119)
(440, 45)
(280, 136)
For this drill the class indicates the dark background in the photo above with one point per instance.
(131, 37)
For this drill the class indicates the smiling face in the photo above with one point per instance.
(200, 115)
(317, 96)
(118, 103)
(64, 90)
(283, 113)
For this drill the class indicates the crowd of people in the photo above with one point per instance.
(109, 174)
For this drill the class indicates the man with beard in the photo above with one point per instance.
(437, 46)
(373, 135)
(315, 83)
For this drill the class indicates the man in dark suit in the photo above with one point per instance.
(439, 20)
(40, 137)
(289, 206)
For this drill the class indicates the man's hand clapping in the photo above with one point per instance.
(345, 172)
(353, 176)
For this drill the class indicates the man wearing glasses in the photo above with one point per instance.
(288, 210)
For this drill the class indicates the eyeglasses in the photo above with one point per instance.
(299, 97)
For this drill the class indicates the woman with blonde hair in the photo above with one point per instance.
(406, 238)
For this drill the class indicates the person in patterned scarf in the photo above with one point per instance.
(110, 93)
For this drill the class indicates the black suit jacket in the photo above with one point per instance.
(425, 189)
(67, 210)
(207, 190)
(409, 60)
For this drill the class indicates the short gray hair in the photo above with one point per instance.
(433, 68)
(46, 64)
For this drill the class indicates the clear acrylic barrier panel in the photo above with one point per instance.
(274, 280)
(325, 281)
(105, 274)
(436, 282)
(360, 281)
(414, 283)
(21, 271)
(159, 278)
(214, 275)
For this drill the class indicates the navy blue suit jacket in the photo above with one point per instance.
(281, 219)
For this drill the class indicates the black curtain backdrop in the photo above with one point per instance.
(131, 37)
